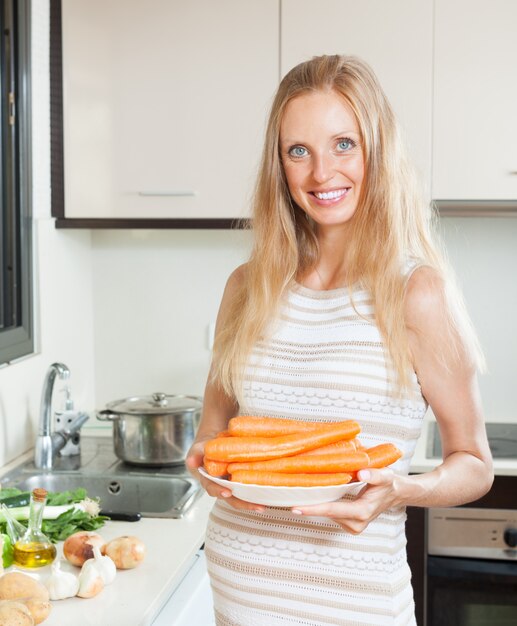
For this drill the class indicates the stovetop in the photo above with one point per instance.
(502, 439)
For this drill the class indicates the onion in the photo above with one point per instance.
(78, 548)
(126, 552)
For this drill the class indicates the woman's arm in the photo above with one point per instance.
(218, 408)
(446, 370)
(445, 367)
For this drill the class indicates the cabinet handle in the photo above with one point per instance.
(168, 193)
(513, 172)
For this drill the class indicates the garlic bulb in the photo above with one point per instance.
(103, 564)
(90, 581)
(61, 584)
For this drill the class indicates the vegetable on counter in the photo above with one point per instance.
(95, 574)
(14, 613)
(6, 551)
(90, 582)
(126, 552)
(65, 512)
(103, 565)
(21, 588)
(61, 584)
(78, 547)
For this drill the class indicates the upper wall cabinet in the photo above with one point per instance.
(475, 100)
(394, 37)
(164, 105)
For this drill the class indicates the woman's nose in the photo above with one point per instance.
(322, 167)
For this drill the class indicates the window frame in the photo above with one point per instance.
(17, 338)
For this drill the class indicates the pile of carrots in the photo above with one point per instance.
(282, 452)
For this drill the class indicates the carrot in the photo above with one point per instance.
(307, 464)
(215, 468)
(289, 480)
(251, 426)
(345, 445)
(233, 449)
(224, 433)
(383, 455)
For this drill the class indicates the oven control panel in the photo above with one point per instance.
(472, 533)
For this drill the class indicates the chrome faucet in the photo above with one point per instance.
(48, 443)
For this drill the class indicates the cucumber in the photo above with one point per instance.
(21, 499)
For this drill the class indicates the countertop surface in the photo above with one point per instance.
(421, 463)
(136, 596)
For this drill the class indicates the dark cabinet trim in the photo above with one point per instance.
(56, 112)
(221, 224)
(417, 555)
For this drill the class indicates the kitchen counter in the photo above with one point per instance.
(136, 596)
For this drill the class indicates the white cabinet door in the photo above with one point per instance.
(394, 37)
(164, 105)
(475, 100)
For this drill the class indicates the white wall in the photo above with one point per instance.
(155, 293)
(483, 252)
(63, 284)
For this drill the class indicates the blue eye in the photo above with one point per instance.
(297, 151)
(345, 144)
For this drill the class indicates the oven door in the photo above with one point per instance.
(471, 592)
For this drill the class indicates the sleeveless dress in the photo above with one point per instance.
(325, 361)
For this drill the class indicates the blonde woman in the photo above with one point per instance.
(345, 310)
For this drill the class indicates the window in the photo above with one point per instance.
(16, 328)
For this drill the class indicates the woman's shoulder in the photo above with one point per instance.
(425, 296)
(234, 283)
(237, 277)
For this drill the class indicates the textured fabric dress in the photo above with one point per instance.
(325, 361)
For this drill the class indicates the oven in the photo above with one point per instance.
(471, 567)
(464, 559)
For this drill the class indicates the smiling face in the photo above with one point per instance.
(322, 156)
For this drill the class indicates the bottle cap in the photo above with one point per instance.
(39, 494)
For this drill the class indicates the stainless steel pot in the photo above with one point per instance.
(153, 430)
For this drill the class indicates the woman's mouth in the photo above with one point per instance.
(330, 197)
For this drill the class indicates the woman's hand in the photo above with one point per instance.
(194, 460)
(354, 516)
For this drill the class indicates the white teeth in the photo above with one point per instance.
(330, 195)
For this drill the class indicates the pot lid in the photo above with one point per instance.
(156, 404)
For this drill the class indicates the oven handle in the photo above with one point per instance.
(451, 567)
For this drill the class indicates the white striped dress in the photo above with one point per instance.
(324, 362)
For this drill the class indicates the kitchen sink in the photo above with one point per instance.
(121, 488)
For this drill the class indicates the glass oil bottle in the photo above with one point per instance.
(34, 549)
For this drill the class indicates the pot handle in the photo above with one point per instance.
(107, 416)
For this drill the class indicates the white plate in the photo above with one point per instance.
(287, 496)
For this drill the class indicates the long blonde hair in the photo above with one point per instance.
(391, 212)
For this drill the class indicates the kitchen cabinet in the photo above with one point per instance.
(164, 105)
(475, 100)
(394, 37)
(416, 556)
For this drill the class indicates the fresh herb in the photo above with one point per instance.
(10, 492)
(65, 524)
(66, 497)
(70, 522)
(7, 550)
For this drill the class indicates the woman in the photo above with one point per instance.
(345, 310)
